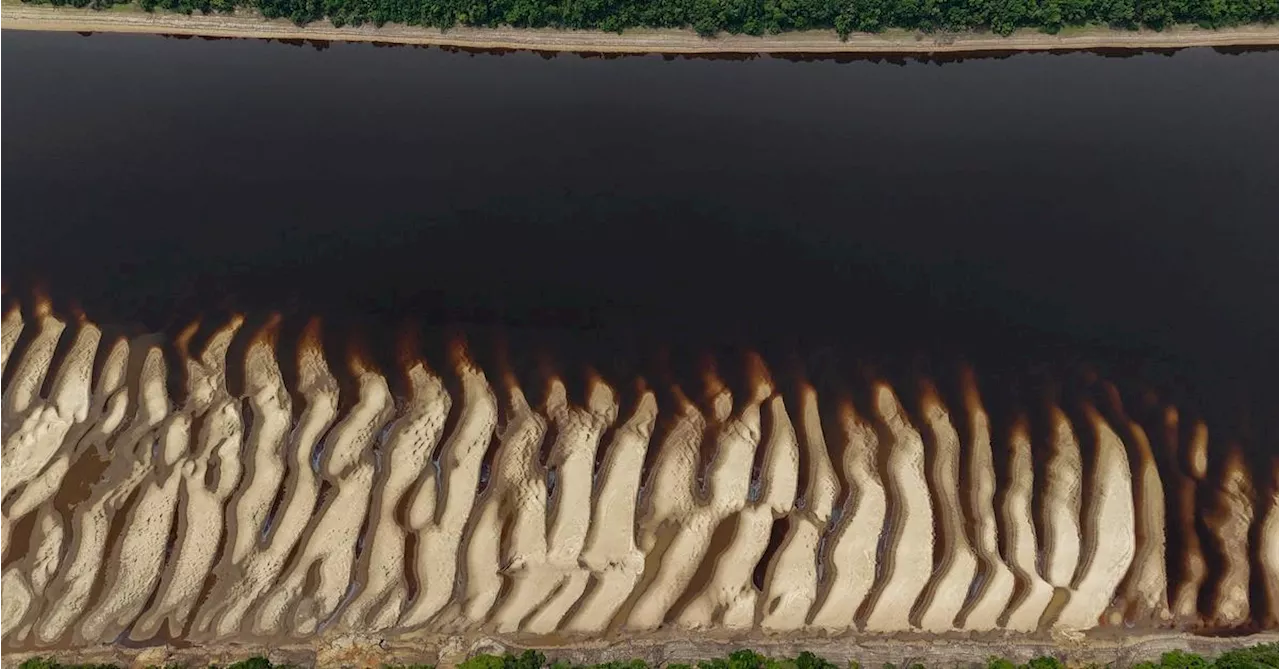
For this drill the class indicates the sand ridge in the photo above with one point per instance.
(791, 579)
(1229, 520)
(1187, 469)
(995, 585)
(907, 559)
(941, 602)
(1269, 558)
(241, 518)
(1031, 593)
(1143, 593)
(854, 542)
(610, 552)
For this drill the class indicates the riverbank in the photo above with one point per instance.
(17, 16)
(660, 649)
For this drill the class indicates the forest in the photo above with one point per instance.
(752, 17)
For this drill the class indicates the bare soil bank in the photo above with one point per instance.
(25, 17)
(666, 647)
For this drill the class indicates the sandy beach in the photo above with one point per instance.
(18, 16)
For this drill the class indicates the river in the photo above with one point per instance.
(1125, 206)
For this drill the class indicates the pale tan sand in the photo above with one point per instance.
(610, 552)
(269, 417)
(1108, 526)
(1269, 558)
(31, 430)
(1061, 508)
(908, 558)
(630, 41)
(85, 568)
(36, 493)
(668, 534)
(1143, 594)
(780, 466)
(210, 473)
(407, 454)
(1194, 569)
(852, 565)
(18, 599)
(573, 457)
(30, 576)
(717, 591)
(728, 480)
(32, 451)
(69, 594)
(43, 559)
(983, 610)
(1198, 452)
(1229, 519)
(270, 413)
(509, 537)
(439, 510)
(71, 392)
(24, 385)
(33, 434)
(162, 520)
(791, 581)
(138, 560)
(328, 547)
(945, 595)
(234, 605)
(729, 598)
(1032, 593)
(34, 571)
(39, 566)
(10, 329)
(34, 458)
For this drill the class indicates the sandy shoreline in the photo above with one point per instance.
(25, 17)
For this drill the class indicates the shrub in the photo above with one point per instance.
(252, 663)
(1260, 656)
(45, 663)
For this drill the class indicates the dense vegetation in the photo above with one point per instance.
(754, 17)
(1261, 656)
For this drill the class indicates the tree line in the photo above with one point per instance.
(1261, 656)
(751, 17)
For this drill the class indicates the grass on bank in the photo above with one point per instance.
(1261, 656)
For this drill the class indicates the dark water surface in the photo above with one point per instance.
(1125, 207)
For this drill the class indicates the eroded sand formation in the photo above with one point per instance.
(281, 512)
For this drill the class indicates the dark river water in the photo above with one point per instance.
(1122, 208)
